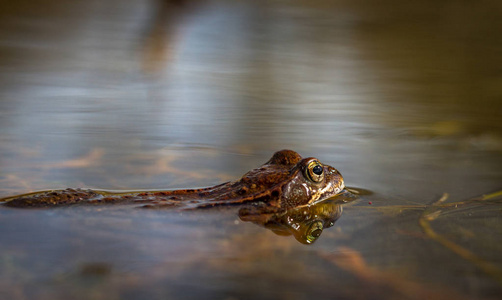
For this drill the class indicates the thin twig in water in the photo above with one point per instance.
(432, 213)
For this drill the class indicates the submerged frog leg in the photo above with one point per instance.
(425, 223)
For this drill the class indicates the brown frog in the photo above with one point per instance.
(285, 181)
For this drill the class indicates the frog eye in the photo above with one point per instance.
(315, 171)
(314, 231)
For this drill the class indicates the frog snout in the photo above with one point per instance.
(335, 176)
(332, 171)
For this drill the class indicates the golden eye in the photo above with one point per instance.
(314, 231)
(315, 171)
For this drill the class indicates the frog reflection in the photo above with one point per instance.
(305, 223)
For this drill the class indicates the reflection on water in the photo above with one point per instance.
(304, 223)
(402, 98)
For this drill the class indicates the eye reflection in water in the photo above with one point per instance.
(305, 223)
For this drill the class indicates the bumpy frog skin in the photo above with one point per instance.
(285, 181)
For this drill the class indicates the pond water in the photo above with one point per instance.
(404, 99)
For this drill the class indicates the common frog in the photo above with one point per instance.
(285, 181)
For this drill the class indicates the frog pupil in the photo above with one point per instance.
(316, 233)
(317, 170)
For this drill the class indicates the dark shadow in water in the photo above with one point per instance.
(162, 33)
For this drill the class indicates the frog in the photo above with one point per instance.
(286, 180)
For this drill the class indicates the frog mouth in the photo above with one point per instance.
(336, 189)
(329, 192)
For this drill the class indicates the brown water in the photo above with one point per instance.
(405, 99)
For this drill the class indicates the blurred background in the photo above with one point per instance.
(404, 98)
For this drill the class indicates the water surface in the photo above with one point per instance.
(404, 99)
